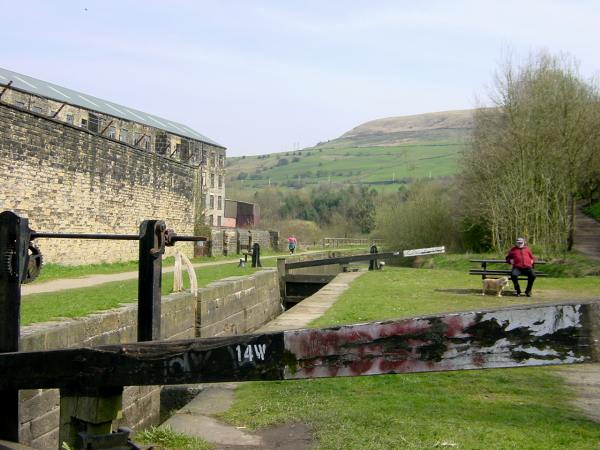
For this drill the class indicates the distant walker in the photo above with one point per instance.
(292, 244)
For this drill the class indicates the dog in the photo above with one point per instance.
(495, 284)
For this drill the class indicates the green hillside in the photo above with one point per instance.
(375, 166)
(381, 153)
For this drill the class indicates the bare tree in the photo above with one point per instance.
(531, 152)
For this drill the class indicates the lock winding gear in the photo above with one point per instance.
(35, 260)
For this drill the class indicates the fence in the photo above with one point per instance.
(330, 242)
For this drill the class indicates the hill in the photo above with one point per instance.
(380, 153)
(429, 127)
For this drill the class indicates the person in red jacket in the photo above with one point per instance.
(522, 261)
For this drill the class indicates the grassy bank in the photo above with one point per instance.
(53, 271)
(565, 265)
(80, 302)
(498, 409)
(593, 211)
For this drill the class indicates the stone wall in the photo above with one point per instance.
(216, 242)
(67, 179)
(235, 305)
(262, 237)
(331, 269)
(230, 242)
(40, 407)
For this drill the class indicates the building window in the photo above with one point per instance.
(124, 137)
(83, 123)
(94, 123)
(219, 221)
(210, 220)
(219, 202)
(20, 104)
(212, 180)
(161, 144)
(112, 132)
(184, 151)
(70, 119)
(37, 109)
(212, 202)
(147, 143)
(206, 201)
(220, 181)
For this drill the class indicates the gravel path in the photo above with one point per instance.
(584, 379)
(94, 280)
(587, 234)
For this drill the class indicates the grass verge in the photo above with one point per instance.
(593, 211)
(167, 439)
(51, 271)
(80, 302)
(569, 264)
(492, 409)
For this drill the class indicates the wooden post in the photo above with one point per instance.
(373, 263)
(281, 271)
(14, 244)
(89, 412)
(152, 247)
(256, 255)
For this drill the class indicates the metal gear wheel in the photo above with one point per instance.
(35, 260)
(8, 262)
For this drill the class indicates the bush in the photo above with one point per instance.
(424, 219)
(593, 211)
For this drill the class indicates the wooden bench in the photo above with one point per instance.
(484, 271)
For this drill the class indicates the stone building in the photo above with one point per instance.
(127, 126)
(241, 214)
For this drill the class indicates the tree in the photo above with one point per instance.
(422, 216)
(530, 153)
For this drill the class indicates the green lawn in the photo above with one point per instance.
(80, 302)
(53, 271)
(347, 165)
(492, 409)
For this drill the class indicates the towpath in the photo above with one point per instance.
(587, 234)
(94, 280)
(584, 379)
(198, 419)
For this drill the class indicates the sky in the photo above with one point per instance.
(269, 76)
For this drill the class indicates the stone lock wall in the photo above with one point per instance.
(39, 408)
(238, 305)
(230, 306)
(67, 179)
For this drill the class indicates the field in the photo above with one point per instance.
(375, 166)
(492, 409)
